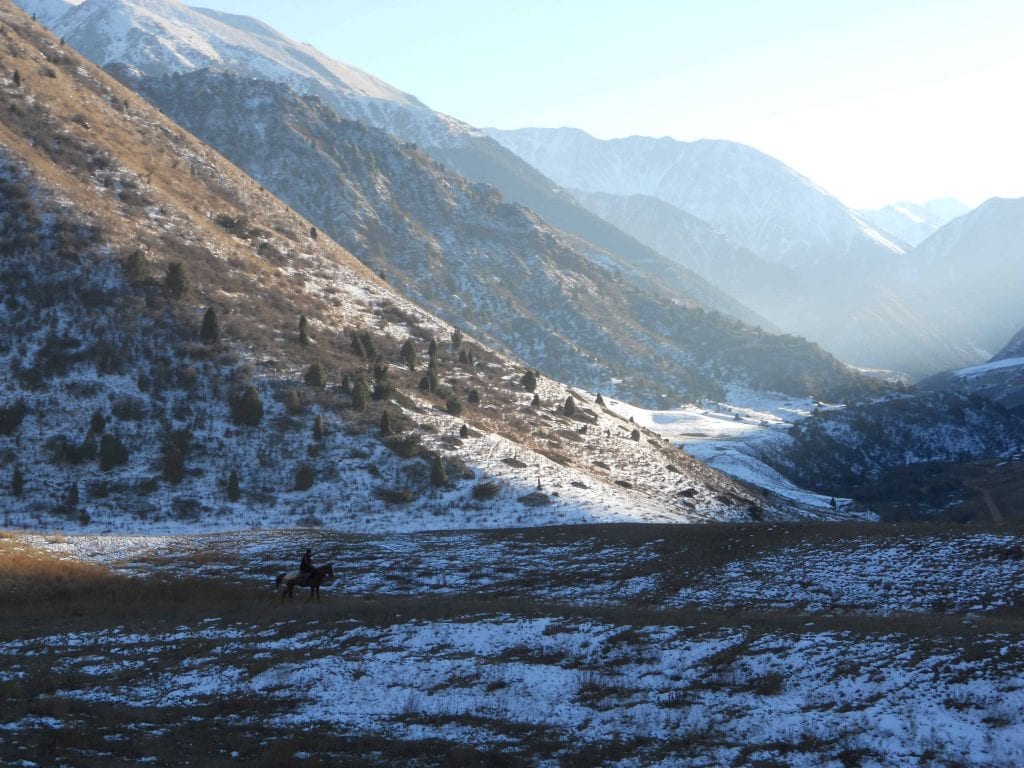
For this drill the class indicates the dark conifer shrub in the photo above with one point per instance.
(303, 330)
(529, 381)
(438, 475)
(360, 395)
(234, 492)
(474, 397)
(209, 333)
(635, 435)
(112, 452)
(570, 406)
(408, 354)
(456, 338)
(599, 400)
(174, 465)
(17, 482)
(316, 376)
(318, 428)
(454, 405)
(386, 427)
(247, 407)
(176, 283)
(304, 478)
(535, 403)
(463, 431)
(98, 423)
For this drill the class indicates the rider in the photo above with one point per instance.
(306, 566)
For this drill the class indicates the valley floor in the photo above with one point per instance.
(787, 644)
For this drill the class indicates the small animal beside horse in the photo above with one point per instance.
(293, 579)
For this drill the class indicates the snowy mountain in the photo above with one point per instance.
(493, 268)
(912, 222)
(156, 37)
(752, 198)
(1000, 379)
(183, 350)
(966, 279)
(835, 288)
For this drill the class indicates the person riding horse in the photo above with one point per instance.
(307, 567)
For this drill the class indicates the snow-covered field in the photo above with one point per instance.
(724, 435)
(639, 645)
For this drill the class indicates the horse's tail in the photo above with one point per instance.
(280, 578)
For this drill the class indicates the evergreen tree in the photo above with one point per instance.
(17, 482)
(529, 381)
(134, 266)
(474, 397)
(98, 423)
(408, 354)
(247, 407)
(432, 351)
(71, 497)
(176, 283)
(358, 349)
(316, 376)
(303, 330)
(535, 403)
(304, 478)
(599, 400)
(454, 405)
(463, 357)
(318, 428)
(570, 406)
(313, 233)
(209, 333)
(17, 79)
(174, 465)
(456, 338)
(438, 475)
(112, 452)
(635, 435)
(386, 428)
(234, 492)
(360, 396)
(463, 431)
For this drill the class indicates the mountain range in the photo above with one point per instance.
(914, 222)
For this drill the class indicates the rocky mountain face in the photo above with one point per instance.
(155, 37)
(184, 349)
(913, 223)
(494, 268)
(1001, 379)
(833, 266)
(966, 279)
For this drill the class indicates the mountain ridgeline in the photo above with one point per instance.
(494, 268)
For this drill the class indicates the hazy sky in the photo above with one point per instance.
(875, 100)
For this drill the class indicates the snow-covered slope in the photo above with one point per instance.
(120, 408)
(493, 268)
(967, 279)
(913, 222)
(751, 197)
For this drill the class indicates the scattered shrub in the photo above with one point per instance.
(486, 491)
(176, 283)
(247, 407)
(454, 405)
(569, 409)
(529, 381)
(438, 474)
(233, 490)
(316, 376)
(304, 478)
(11, 417)
(112, 452)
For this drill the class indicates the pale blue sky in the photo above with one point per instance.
(876, 100)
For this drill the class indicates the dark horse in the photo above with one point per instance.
(294, 579)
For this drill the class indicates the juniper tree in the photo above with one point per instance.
(313, 233)
(174, 465)
(599, 400)
(318, 428)
(209, 333)
(570, 406)
(176, 283)
(247, 407)
(463, 431)
(98, 423)
(112, 452)
(234, 492)
(360, 395)
(454, 405)
(17, 79)
(316, 376)
(456, 338)
(17, 482)
(432, 351)
(386, 427)
(529, 381)
(535, 403)
(303, 330)
(438, 475)
(408, 354)
(71, 496)
(304, 478)
(635, 435)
